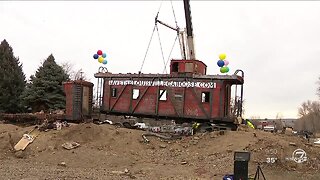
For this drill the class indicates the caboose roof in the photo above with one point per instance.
(235, 79)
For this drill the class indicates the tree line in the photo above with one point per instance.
(44, 90)
(309, 113)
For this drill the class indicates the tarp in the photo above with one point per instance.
(249, 123)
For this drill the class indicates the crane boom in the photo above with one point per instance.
(190, 43)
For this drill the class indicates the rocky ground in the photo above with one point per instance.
(107, 152)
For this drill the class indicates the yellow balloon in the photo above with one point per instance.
(100, 59)
(222, 56)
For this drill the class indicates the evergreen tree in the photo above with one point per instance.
(12, 80)
(45, 90)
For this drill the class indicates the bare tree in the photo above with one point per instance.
(279, 115)
(305, 108)
(67, 67)
(309, 116)
(235, 106)
(74, 74)
(278, 122)
(79, 75)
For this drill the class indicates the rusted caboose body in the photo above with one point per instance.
(187, 93)
(79, 96)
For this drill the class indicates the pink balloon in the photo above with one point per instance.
(226, 62)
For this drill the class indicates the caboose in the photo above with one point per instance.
(186, 94)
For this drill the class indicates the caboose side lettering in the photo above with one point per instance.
(181, 84)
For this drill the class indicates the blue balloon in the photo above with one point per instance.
(95, 56)
(104, 61)
(220, 63)
(104, 55)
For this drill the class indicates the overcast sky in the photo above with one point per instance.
(276, 44)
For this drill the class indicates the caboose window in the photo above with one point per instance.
(114, 92)
(163, 95)
(175, 67)
(205, 96)
(135, 93)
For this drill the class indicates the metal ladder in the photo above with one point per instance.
(99, 90)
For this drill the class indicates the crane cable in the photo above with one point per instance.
(175, 40)
(175, 20)
(164, 62)
(174, 15)
(154, 28)
(144, 59)
(174, 43)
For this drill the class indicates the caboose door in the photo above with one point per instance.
(177, 100)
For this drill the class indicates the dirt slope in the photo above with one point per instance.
(107, 152)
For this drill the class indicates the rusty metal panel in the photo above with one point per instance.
(85, 101)
(194, 106)
(77, 98)
(79, 95)
(69, 104)
(166, 109)
(189, 67)
(147, 103)
(122, 102)
(90, 103)
(216, 101)
(191, 108)
(106, 96)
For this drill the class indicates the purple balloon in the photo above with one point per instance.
(226, 62)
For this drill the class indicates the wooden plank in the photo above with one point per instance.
(27, 139)
(24, 142)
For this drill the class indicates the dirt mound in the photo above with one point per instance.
(107, 151)
(9, 136)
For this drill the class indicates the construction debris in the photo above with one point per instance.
(292, 144)
(63, 164)
(103, 122)
(184, 162)
(47, 125)
(24, 142)
(142, 126)
(27, 139)
(157, 135)
(126, 171)
(70, 145)
(145, 138)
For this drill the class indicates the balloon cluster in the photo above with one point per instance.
(223, 63)
(101, 57)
